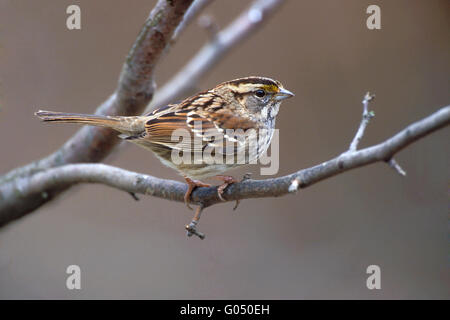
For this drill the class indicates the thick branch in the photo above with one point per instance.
(39, 184)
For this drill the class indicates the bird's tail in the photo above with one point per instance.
(128, 125)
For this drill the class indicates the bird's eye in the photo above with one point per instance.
(260, 93)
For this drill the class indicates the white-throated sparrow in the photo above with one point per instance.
(217, 123)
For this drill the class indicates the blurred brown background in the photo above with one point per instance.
(316, 244)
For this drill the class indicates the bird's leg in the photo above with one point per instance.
(192, 184)
(191, 228)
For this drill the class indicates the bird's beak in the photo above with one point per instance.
(283, 94)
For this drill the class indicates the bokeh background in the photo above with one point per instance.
(315, 244)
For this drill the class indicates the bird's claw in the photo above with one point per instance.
(192, 184)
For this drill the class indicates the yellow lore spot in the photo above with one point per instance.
(271, 88)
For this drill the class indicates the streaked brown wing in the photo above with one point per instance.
(203, 118)
(173, 130)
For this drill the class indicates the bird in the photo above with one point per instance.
(225, 127)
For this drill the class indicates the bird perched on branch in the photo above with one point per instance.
(215, 127)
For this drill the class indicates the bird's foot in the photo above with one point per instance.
(192, 184)
(227, 180)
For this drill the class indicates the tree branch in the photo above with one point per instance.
(38, 185)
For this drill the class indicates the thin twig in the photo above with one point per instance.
(193, 11)
(366, 116)
(394, 165)
(134, 196)
(191, 228)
